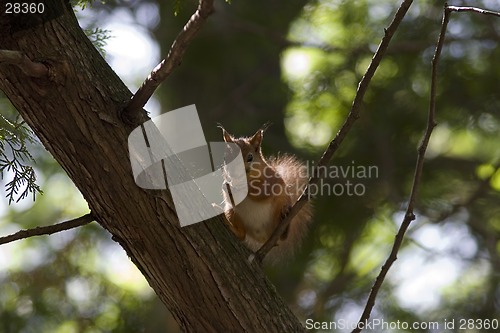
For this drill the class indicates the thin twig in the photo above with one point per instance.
(21, 60)
(410, 216)
(346, 127)
(472, 9)
(47, 230)
(167, 65)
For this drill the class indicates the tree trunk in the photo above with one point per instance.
(199, 272)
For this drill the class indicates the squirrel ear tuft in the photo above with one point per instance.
(266, 126)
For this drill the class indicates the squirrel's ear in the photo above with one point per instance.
(256, 139)
(227, 137)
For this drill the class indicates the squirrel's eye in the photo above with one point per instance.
(249, 157)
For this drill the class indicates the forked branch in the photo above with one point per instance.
(344, 130)
(409, 215)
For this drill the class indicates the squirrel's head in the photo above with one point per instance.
(250, 150)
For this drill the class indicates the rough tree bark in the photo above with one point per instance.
(199, 272)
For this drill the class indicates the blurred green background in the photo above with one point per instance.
(297, 64)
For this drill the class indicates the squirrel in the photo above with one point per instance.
(274, 185)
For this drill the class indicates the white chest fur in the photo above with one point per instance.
(257, 217)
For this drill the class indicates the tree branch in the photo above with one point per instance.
(409, 216)
(344, 130)
(21, 60)
(472, 9)
(167, 65)
(47, 230)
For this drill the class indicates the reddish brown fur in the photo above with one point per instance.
(273, 187)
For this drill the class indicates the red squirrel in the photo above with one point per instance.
(274, 185)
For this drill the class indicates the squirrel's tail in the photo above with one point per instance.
(296, 178)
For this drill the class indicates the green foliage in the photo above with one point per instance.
(98, 37)
(298, 65)
(324, 48)
(74, 281)
(14, 155)
(333, 42)
(84, 3)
